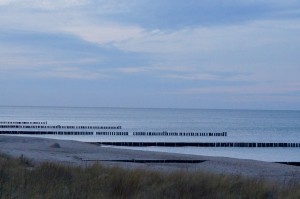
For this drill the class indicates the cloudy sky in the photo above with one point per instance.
(150, 53)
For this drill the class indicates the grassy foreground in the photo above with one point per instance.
(20, 179)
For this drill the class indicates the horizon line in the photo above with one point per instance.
(123, 107)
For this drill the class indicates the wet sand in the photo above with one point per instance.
(77, 153)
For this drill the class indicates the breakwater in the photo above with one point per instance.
(14, 126)
(192, 161)
(202, 144)
(109, 133)
(166, 133)
(43, 128)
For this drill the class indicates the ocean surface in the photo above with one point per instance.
(240, 125)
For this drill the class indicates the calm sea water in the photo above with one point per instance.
(240, 125)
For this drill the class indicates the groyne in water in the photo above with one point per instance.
(202, 144)
(164, 133)
(43, 128)
(26, 126)
(104, 133)
(192, 161)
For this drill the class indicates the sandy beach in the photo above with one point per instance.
(79, 154)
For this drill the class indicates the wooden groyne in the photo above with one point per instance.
(107, 133)
(62, 133)
(203, 144)
(43, 128)
(192, 161)
(19, 122)
(39, 126)
(166, 133)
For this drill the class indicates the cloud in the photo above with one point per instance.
(224, 48)
(208, 39)
(103, 34)
(180, 14)
(44, 4)
(199, 76)
(70, 73)
(28, 54)
(261, 89)
(157, 68)
(131, 70)
(130, 36)
(5, 2)
(60, 71)
(73, 21)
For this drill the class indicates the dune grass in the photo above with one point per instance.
(19, 178)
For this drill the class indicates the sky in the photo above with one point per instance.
(219, 54)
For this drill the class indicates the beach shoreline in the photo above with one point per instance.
(75, 153)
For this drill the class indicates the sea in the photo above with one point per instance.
(240, 125)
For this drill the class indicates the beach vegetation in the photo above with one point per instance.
(20, 178)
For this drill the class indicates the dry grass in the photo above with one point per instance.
(20, 179)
